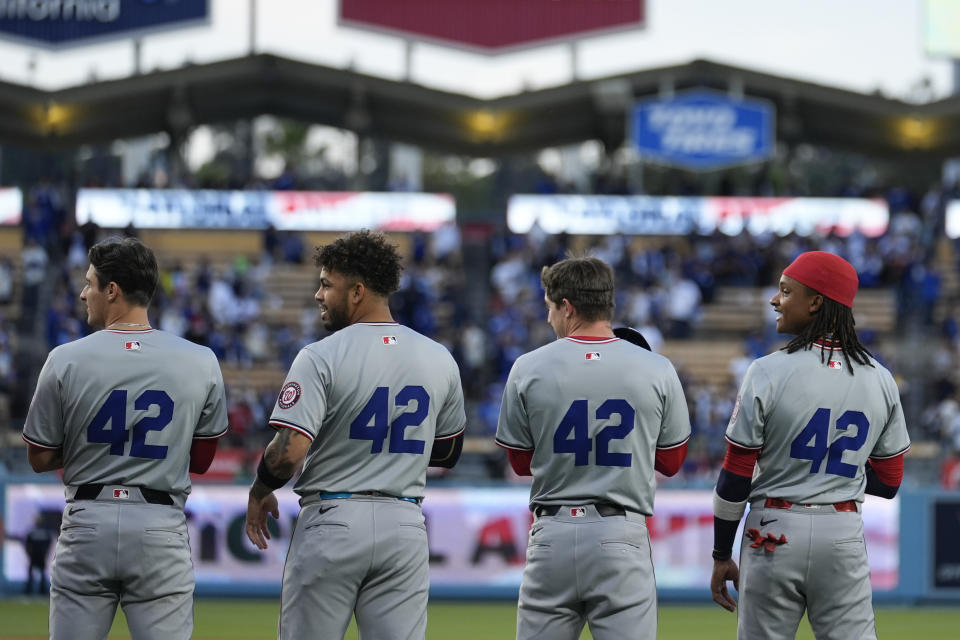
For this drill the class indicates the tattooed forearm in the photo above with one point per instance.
(278, 456)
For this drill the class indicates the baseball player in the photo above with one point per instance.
(815, 425)
(126, 412)
(590, 416)
(366, 410)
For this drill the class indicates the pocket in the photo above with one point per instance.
(620, 547)
(163, 539)
(326, 523)
(847, 542)
(78, 531)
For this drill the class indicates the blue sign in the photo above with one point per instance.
(66, 21)
(704, 130)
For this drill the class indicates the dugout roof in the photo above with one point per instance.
(177, 99)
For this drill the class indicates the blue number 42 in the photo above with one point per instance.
(572, 433)
(811, 443)
(109, 426)
(373, 421)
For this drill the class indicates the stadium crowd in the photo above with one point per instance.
(664, 283)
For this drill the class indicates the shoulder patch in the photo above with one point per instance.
(289, 395)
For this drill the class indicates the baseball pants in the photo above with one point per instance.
(125, 552)
(822, 568)
(584, 567)
(363, 555)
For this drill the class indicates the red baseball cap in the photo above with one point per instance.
(827, 274)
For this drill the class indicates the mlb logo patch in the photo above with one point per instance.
(835, 364)
(121, 494)
(593, 355)
(578, 512)
(132, 345)
(389, 340)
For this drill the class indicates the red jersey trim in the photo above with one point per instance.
(129, 333)
(520, 461)
(669, 461)
(893, 455)
(34, 443)
(667, 447)
(740, 460)
(590, 340)
(889, 470)
(213, 437)
(510, 447)
(278, 424)
(455, 435)
(740, 444)
(828, 345)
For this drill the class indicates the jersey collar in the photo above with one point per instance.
(592, 339)
(828, 344)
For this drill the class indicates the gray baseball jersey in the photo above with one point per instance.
(593, 412)
(373, 398)
(125, 407)
(815, 426)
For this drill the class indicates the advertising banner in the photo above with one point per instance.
(59, 22)
(677, 215)
(703, 130)
(284, 210)
(477, 536)
(492, 24)
(11, 205)
(946, 551)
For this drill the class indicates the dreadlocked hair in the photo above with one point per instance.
(833, 322)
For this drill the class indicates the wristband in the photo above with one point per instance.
(721, 555)
(267, 478)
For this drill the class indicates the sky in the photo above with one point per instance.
(860, 45)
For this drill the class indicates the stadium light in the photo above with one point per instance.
(486, 125)
(916, 133)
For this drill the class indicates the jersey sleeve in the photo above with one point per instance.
(894, 439)
(750, 411)
(44, 424)
(452, 419)
(302, 402)
(213, 418)
(675, 424)
(513, 426)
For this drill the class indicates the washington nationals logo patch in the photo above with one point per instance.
(289, 395)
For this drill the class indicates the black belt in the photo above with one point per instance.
(92, 492)
(605, 509)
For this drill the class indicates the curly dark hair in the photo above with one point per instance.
(833, 322)
(365, 255)
(129, 263)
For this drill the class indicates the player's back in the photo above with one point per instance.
(130, 405)
(383, 392)
(822, 424)
(597, 410)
